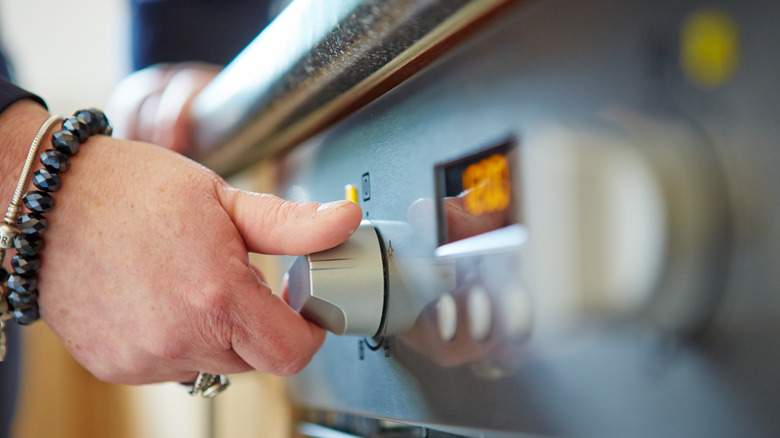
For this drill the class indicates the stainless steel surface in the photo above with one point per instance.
(629, 285)
(315, 61)
(316, 431)
(342, 289)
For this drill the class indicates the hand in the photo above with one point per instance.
(146, 277)
(153, 104)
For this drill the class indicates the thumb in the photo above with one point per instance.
(271, 225)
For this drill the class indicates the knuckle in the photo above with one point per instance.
(293, 360)
(279, 211)
(293, 368)
(216, 304)
(213, 318)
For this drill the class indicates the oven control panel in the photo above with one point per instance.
(566, 232)
(598, 218)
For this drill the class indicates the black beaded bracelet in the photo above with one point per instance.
(22, 284)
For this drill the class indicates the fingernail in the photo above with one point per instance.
(331, 206)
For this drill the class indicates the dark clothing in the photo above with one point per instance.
(194, 30)
(4, 73)
(10, 93)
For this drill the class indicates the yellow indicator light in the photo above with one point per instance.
(351, 193)
(710, 47)
(486, 184)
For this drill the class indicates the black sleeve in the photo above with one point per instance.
(194, 30)
(10, 94)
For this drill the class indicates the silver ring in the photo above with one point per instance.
(207, 385)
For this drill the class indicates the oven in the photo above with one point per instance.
(570, 212)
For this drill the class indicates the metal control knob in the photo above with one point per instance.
(342, 289)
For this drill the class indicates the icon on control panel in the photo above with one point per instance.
(365, 186)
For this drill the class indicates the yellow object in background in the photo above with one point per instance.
(710, 50)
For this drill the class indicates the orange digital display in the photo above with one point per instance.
(486, 185)
(475, 192)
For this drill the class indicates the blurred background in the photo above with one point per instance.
(73, 53)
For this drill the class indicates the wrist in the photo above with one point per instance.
(18, 125)
(21, 287)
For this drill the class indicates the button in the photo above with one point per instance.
(447, 317)
(480, 313)
(351, 193)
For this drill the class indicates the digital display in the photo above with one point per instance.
(475, 193)
(486, 185)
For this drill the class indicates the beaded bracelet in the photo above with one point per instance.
(24, 233)
(20, 288)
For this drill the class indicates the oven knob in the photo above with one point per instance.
(342, 289)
